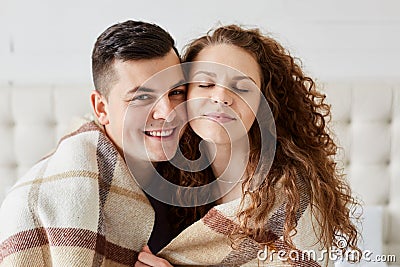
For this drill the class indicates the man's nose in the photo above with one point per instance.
(164, 110)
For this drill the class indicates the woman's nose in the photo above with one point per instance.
(222, 96)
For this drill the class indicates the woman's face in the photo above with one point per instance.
(223, 98)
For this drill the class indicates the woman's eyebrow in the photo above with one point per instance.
(212, 74)
(237, 78)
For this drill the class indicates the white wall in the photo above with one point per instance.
(50, 42)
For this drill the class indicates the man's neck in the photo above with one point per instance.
(143, 171)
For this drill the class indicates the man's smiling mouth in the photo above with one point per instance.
(159, 133)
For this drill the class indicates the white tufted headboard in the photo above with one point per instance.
(32, 119)
(366, 119)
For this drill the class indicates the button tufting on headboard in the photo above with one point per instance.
(366, 120)
(32, 119)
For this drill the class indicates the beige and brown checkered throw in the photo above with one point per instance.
(77, 207)
(207, 243)
(80, 206)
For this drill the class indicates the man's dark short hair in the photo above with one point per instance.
(129, 40)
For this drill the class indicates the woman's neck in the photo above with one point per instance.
(229, 166)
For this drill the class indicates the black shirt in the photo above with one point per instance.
(163, 232)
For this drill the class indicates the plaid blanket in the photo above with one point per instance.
(78, 206)
(206, 242)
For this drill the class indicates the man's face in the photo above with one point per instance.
(145, 115)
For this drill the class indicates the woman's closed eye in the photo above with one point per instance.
(240, 90)
(206, 85)
(233, 88)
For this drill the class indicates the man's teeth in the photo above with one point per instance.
(160, 133)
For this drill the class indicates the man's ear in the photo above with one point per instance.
(100, 107)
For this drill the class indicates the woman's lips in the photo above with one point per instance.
(219, 117)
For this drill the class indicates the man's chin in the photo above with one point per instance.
(161, 153)
(135, 159)
(161, 157)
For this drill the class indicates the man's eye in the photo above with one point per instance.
(141, 97)
(178, 92)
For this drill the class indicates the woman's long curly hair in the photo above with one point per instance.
(303, 145)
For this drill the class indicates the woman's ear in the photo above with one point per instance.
(100, 107)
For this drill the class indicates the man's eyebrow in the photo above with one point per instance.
(142, 89)
(181, 82)
(150, 90)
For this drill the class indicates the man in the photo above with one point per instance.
(80, 206)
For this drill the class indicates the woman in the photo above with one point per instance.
(293, 202)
